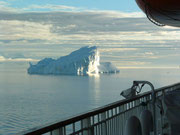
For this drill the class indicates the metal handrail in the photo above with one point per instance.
(61, 123)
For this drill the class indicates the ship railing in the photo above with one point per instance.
(110, 119)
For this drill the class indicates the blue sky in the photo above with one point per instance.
(118, 5)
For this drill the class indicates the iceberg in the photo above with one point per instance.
(85, 61)
(107, 67)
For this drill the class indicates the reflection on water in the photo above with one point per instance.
(31, 100)
(94, 89)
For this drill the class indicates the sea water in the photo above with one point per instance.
(27, 101)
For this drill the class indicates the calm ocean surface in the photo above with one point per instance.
(28, 101)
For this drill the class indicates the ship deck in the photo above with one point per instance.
(114, 118)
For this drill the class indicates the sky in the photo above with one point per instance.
(33, 29)
(51, 5)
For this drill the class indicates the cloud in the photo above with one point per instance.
(16, 30)
(117, 49)
(3, 59)
(120, 37)
(118, 14)
(3, 3)
(149, 53)
(5, 7)
(50, 7)
(134, 63)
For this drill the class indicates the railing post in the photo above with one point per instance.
(86, 123)
(104, 127)
(57, 132)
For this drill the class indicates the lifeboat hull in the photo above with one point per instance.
(165, 12)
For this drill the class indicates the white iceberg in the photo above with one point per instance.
(85, 61)
(107, 67)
